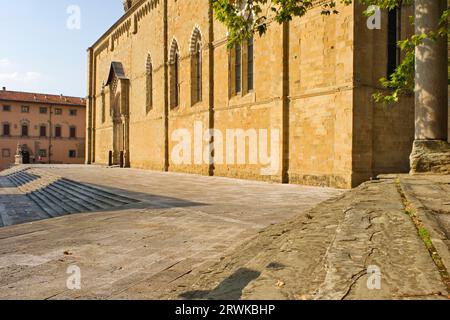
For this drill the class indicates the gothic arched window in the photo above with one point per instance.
(196, 67)
(174, 75)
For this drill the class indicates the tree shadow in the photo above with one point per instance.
(230, 289)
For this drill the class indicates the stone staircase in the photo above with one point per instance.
(12, 170)
(58, 196)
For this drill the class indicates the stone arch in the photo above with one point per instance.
(174, 74)
(196, 37)
(195, 49)
(148, 63)
(174, 49)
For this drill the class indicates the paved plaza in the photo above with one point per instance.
(180, 223)
(133, 234)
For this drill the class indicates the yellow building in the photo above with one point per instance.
(162, 76)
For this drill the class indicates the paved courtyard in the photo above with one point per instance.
(180, 223)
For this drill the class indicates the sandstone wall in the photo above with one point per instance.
(313, 81)
(383, 134)
(321, 98)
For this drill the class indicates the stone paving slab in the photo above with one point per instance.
(429, 196)
(183, 222)
(325, 254)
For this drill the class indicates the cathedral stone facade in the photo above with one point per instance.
(165, 67)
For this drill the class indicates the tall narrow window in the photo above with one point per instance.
(195, 49)
(24, 130)
(198, 65)
(73, 132)
(174, 61)
(176, 87)
(149, 84)
(394, 32)
(58, 133)
(103, 96)
(250, 66)
(238, 68)
(6, 129)
(42, 131)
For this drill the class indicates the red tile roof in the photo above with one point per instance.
(29, 97)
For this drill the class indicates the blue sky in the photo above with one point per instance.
(40, 53)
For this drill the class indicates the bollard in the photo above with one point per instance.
(110, 158)
(122, 159)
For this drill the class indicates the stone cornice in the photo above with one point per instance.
(129, 19)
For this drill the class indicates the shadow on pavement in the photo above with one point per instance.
(230, 289)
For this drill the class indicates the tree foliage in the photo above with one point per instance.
(244, 18)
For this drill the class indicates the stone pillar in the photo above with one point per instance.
(431, 152)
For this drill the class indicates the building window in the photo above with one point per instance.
(58, 132)
(149, 84)
(42, 153)
(7, 108)
(174, 76)
(196, 67)
(58, 111)
(238, 68)
(6, 153)
(72, 153)
(43, 131)
(6, 129)
(73, 132)
(241, 68)
(250, 65)
(43, 110)
(24, 131)
(25, 109)
(394, 32)
(73, 112)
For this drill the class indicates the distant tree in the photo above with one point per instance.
(244, 18)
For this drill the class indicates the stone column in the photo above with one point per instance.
(431, 152)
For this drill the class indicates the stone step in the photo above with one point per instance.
(87, 203)
(53, 201)
(48, 210)
(27, 183)
(25, 178)
(116, 197)
(57, 196)
(22, 181)
(107, 198)
(103, 203)
(75, 202)
(70, 205)
(83, 201)
(18, 181)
